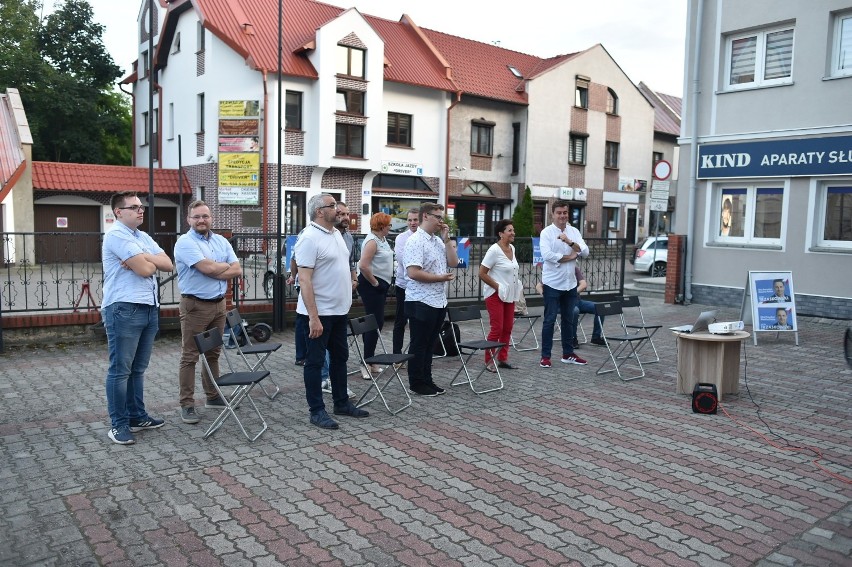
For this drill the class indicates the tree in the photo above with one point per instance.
(522, 220)
(66, 78)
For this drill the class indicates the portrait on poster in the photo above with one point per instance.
(775, 290)
(776, 319)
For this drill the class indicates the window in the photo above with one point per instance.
(145, 131)
(200, 43)
(841, 57)
(611, 155)
(611, 102)
(171, 121)
(516, 148)
(144, 63)
(176, 43)
(399, 129)
(155, 141)
(351, 102)
(200, 113)
(350, 61)
(577, 149)
(581, 92)
(835, 215)
(293, 111)
(481, 138)
(762, 58)
(515, 72)
(657, 156)
(349, 140)
(750, 214)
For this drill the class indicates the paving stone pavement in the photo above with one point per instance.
(561, 467)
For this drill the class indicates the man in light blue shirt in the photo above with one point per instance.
(130, 311)
(205, 262)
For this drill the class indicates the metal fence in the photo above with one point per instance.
(63, 271)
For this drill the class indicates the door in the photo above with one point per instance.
(68, 233)
(630, 234)
(539, 215)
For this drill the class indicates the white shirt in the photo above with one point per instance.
(555, 274)
(504, 271)
(325, 252)
(430, 254)
(399, 247)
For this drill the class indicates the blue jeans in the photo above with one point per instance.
(425, 325)
(562, 302)
(130, 330)
(588, 307)
(332, 343)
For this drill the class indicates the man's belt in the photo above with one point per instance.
(196, 298)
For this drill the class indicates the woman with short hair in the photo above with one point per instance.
(374, 279)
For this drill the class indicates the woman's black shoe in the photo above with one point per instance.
(502, 364)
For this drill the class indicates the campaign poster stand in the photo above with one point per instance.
(769, 304)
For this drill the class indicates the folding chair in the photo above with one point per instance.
(261, 351)
(473, 347)
(531, 320)
(643, 326)
(365, 324)
(619, 355)
(242, 381)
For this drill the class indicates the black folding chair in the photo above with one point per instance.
(473, 347)
(391, 362)
(245, 347)
(242, 381)
(641, 326)
(617, 344)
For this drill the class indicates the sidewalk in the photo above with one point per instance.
(562, 467)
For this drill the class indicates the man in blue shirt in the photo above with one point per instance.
(130, 310)
(205, 262)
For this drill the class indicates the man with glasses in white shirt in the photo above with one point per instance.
(205, 262)
(428, 253)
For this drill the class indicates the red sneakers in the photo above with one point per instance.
(572, 359)
(545, 363)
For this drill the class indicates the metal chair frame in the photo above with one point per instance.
(473, 347)
(365, 324)
(532, 320)
(619, 356)
(648, 329)
(262, 351)
(243, 382)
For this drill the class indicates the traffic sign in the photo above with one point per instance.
(662, 170)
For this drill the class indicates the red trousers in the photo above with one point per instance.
(502, 317)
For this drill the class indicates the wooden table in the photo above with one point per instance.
(708, 358)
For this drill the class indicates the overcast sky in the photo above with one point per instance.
(645, 37)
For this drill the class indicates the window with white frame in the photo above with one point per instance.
(760, 58)
(171, 121)
(611, 102)
(293, 111)
(145, 137)
(835, 215)
(841, 56)
(749, 214)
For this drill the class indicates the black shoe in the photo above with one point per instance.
(598, 341)
(575, 343)
(438, 390)
(504, 364)
(215, 403)
(300, 362)
(350, 410)
(423, 390)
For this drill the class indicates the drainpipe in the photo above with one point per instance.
(447, 157)
(263, 179)
(693, 153)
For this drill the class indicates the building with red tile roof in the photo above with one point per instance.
(382, 114)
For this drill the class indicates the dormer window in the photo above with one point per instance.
(350, 61)
(515, 72)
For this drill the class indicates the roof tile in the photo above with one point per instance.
(52, 176)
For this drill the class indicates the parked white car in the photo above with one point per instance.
(651, 256)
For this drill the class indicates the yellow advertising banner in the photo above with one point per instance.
(238, 108)
(238, 178)
(241, 161)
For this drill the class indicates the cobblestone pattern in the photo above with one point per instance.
(562, 467)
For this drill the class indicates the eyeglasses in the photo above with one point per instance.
(134, 208)
(201, 217)
(438, 218)
(331, 206)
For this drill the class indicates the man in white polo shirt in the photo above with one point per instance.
(427, 254)
(324, 300)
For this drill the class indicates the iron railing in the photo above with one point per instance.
(53, 271)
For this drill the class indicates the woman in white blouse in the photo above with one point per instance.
(499, 272)
(376, 272)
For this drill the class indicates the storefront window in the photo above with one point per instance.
(750, 214)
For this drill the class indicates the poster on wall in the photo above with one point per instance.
(397, 208)
(239, 152)
(771, 302)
